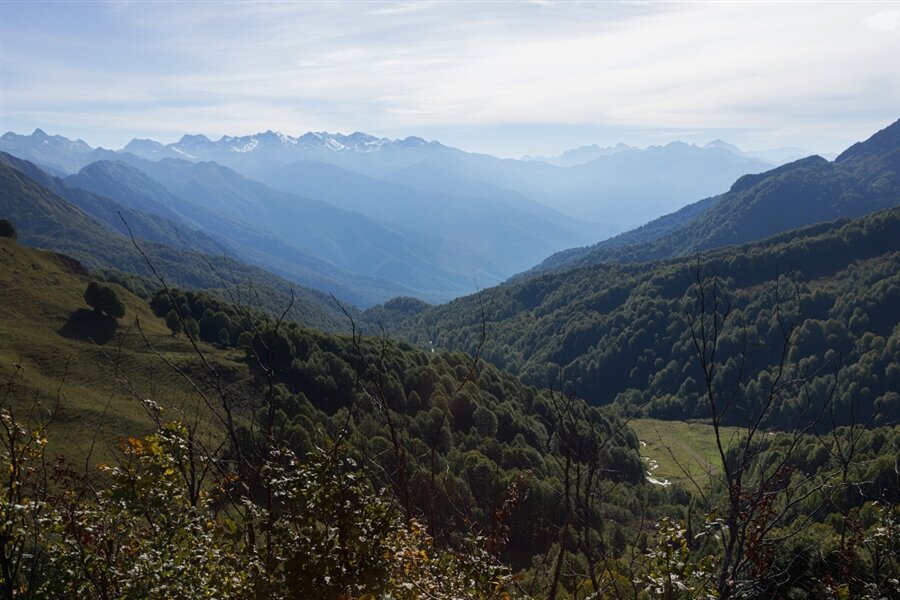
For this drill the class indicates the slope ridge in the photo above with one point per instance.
(617, 332)
(861, 180)
(44, 219)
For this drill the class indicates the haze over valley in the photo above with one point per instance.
(382, 217)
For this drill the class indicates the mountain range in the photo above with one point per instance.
(862, 179)
(100, 241)
(610, 320)
(618, 189)
(584, 154)
(611, 190)
(309, 241)
(368, 218)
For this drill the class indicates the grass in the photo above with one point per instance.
(53, 347)
(683, 450)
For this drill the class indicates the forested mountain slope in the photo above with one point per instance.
(496, 476)
(619, 332)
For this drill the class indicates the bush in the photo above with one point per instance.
(103, 299)
(7, 229)
(173, 322)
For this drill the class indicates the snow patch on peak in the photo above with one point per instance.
(183, 153)
(286, 139)
(251, 145)
(338, 142)
(269, 135)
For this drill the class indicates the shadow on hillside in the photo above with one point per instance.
(86, 325)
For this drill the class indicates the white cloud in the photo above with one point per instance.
(886, 20)
(781, 72)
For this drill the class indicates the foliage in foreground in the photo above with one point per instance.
(365, 469)
(139, 529)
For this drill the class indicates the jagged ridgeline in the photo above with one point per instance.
(619, 333)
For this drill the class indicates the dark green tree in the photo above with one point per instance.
(192, 327)
(103, 300)
(7, 229)
(173, 322)
(485, 422)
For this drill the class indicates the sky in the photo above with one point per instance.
(505, 78)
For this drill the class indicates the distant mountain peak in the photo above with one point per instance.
(414, 141)
(582, 154)
(194, 138)
(363, 137)
(720, 143)
(137, 145)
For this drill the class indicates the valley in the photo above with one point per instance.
(340, 362)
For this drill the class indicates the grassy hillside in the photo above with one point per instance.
(52, 343)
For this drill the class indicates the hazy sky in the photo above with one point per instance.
(507, 78)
